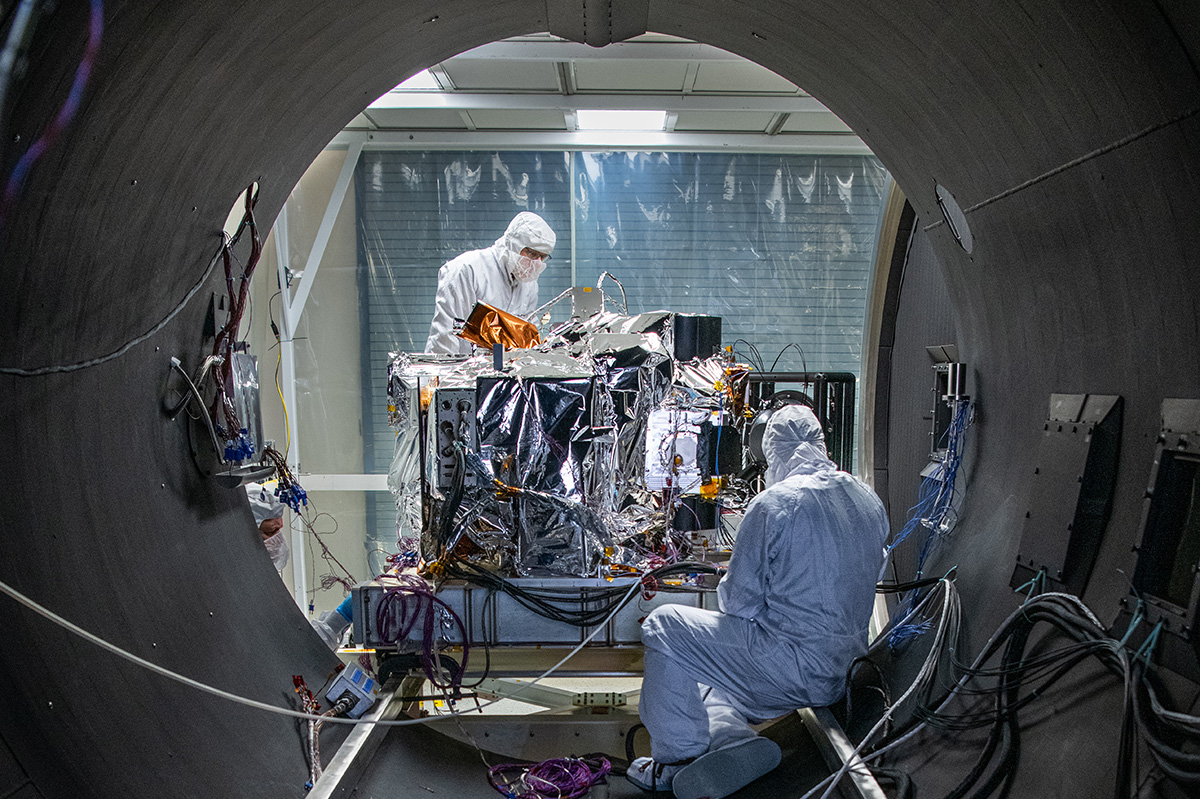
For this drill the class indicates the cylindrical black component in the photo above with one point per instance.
(695, 513)
(956, 380)
(696, 336)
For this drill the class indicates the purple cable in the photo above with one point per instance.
(559, 778)
(394, 622)
(65, 114)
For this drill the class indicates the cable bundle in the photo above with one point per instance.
(560, 778)
(310, 705)
(288, 490)
(396, 616)
(934, 510)
(1018, 679)
(238, 446)
(571, 605)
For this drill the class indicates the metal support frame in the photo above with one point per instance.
(355, 753)
(550, 696)
(838, 751)
(541, 736)
(602, 140)
(530, 101)
(576, 51)
(293, 311)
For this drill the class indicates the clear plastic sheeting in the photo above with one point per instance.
(781, 247)
(244, 392)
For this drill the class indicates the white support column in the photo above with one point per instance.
(294, 306)
(571, 178)
(287, 361)
(293, 311)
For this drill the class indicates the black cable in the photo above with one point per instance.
(756, 359)
(899, 588)
(630, 754)
(567, 605)
(799, 349)
(865, 660)
(903, 783)
(453, 502)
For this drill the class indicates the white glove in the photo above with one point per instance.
(331, 626)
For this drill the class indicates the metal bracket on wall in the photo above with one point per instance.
(232, 475)
(1071, 500)
(1165, 590)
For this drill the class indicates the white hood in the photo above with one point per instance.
(794, 444)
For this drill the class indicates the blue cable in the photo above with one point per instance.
(935, 504)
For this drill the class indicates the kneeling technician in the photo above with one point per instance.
(794, 608)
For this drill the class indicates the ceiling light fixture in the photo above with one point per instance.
(595, 119)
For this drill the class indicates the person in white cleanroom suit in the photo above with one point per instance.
(503, 276)
(794, 608)
(268, 516)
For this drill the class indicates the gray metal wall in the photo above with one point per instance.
(1084, 281)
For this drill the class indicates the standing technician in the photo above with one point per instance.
(794, 610)
(503, 276)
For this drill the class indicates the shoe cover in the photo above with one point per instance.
(723, 771)
(651, 776)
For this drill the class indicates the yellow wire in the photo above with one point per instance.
(287, 429)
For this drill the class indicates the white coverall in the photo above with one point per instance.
(794, 604)
(487, 276)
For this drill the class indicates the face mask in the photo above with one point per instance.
(523, 268)
(277, 548)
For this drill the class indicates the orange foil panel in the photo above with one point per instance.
(488, 326)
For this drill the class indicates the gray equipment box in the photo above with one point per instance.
(455, 421)
(495, 618)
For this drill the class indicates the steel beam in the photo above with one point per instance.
(525, 101)
(576, 51)
(293, 307)
(658, 141)
(838, 751)
(354, 755)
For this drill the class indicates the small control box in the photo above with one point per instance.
(356, 687)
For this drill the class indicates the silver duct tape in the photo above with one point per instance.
(558, 537)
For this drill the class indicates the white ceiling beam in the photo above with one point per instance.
(776, 124)
(442, 77)
(487, 101)
(658, 141)
(566, 77)
(575, 51)
(689, 78)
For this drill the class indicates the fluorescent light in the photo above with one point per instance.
(422, 80)
(593, 119)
